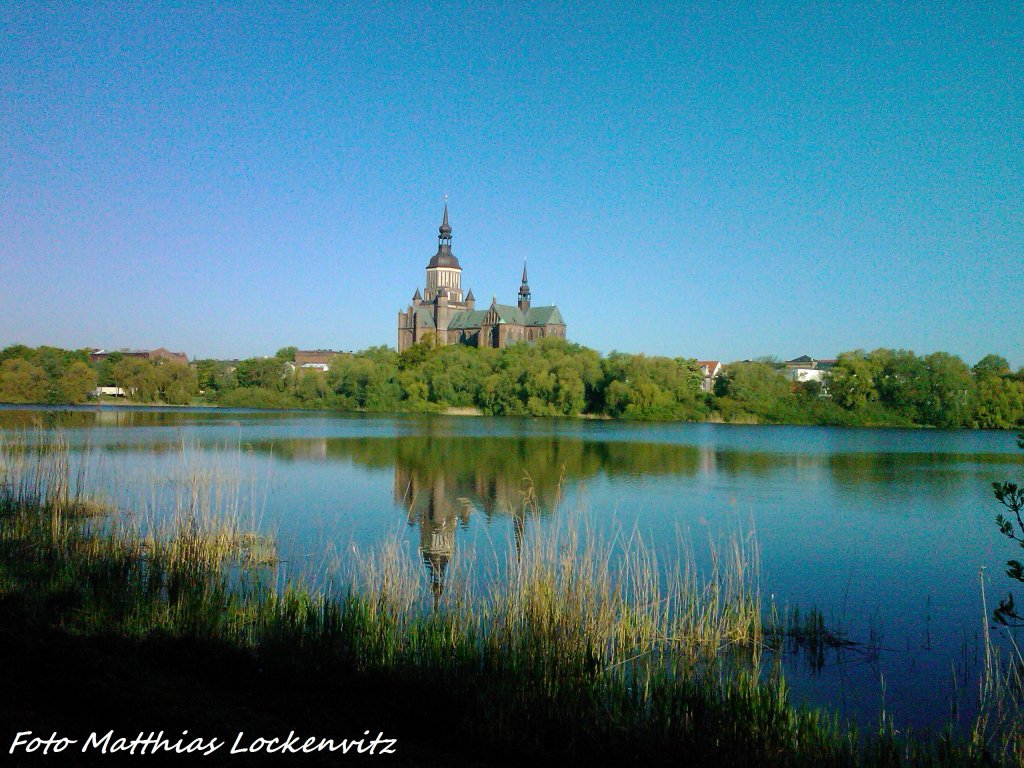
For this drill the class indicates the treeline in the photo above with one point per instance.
(52, 375)
(885, 387)
(937, 390)
(550, 378)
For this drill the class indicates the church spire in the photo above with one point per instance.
(524, 291)
(445, 231)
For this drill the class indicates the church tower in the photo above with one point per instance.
(524, 292)
(444, 275)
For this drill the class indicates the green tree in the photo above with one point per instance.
(852, 381)
(208, 373)
(949, 391)
(176, 383)
(757, 385)
(311, 386)
(991, 365)
(266, 372)
(368, 380)
(901, 381)
(641, 387)
(105, 369)
(999, 402)
(22, 382)
(138, 378)
(78, 383)
(286, 354)
(419, 352)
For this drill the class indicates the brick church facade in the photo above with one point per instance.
(452, 318)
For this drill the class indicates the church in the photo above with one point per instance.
(443, 311)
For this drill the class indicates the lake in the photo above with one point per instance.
(887, 532)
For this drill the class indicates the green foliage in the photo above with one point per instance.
(286, 354)
(901, 381)
(757, 389)
(852, 381)
(138, 379)
(551, 377)
(312, 389)
(548, 378)
(256, 397)
(641, 387)
(176, 383)
(948, 391)
(999, 396)
(1012, 497)
(264, 372)
(30, 375)
(105, 369)
(367, 380)
(937, 390)
(77, 383)
(209, 374)
(22, 382)
(991, 365)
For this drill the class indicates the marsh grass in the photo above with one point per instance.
(584, 651)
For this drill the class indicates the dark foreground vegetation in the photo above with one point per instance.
(584, 656)
(550, 378)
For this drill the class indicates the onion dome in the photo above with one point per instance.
(444, 256)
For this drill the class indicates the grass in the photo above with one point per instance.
(585, 653)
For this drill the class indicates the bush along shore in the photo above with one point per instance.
(552, 377)
(585, 654)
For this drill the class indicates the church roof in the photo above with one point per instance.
(509, 314)
(467, 318)
(544, 316)
(444, 256)
(424, 316)
(533, 316)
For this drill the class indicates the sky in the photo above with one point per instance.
(710, 180)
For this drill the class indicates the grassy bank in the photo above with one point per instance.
(584, 654)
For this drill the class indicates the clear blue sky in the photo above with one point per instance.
(714, 180)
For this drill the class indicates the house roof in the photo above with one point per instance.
(806, 361)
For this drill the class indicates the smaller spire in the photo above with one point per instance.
(469, 296)
(524, 291)
(416, 296)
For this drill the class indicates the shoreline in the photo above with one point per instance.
(469, 411)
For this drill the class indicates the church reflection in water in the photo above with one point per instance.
(441, 502)
(442, 481)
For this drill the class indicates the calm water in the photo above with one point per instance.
(885, 531)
